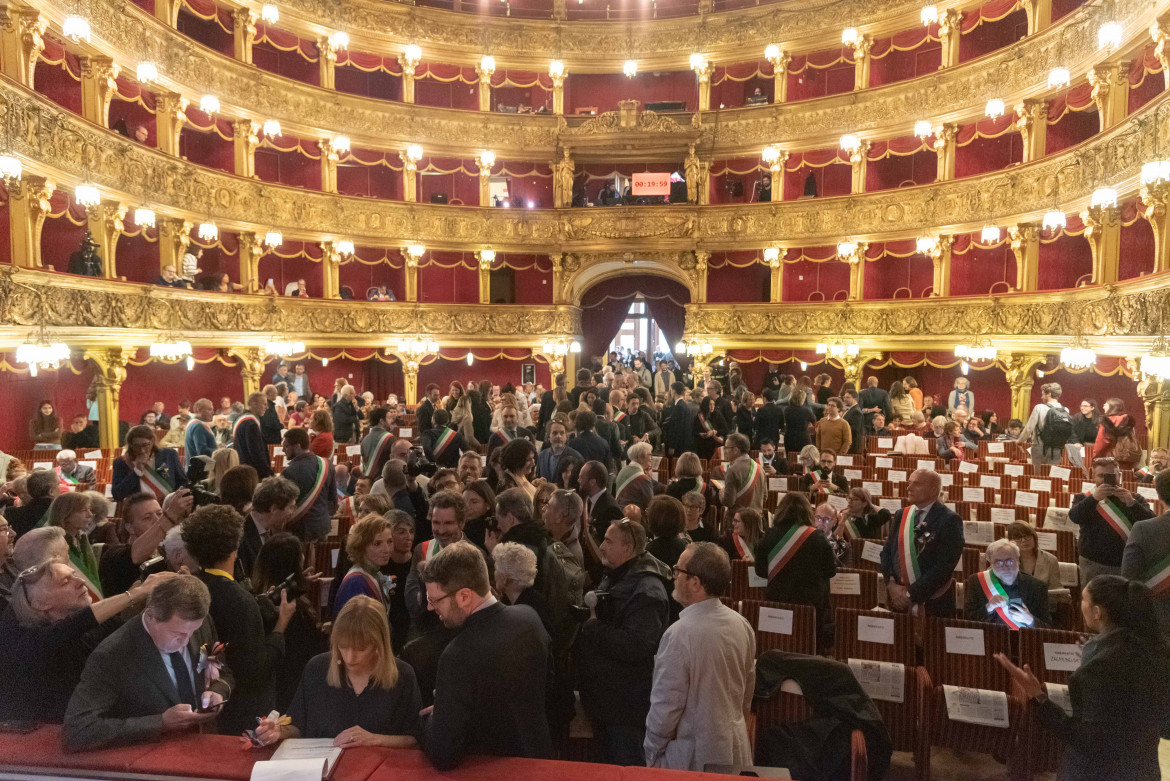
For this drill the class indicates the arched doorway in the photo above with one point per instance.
(605, 306)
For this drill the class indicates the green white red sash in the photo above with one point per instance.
(308, 497)
(851, 530)
(992, 587)
(619, 416)
(383, 444)
(345, 509)
(630, 481)
(430, 548)
(787, 547)
(707, 427)
(742, 549)
(504, 436)
(68, 482)
(1158, 577)
(444, 440)
(1114, 515)
(908, 567)
(240, 421)
(151, 481)
(755, 475)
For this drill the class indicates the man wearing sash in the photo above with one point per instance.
(443, 444)
(1147, 554)
(313, 476)
(1158, 460)
(925, 544)
(447, 519)
(248, 440)
(1002, 594)
(74, 474)
(146, 467)
(1106, 514)
(508, 431)
(200, 438)
(745, 484)
(825, 480)
(376, 444)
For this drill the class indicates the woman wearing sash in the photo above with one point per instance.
(73, 514)
(747, 527)
(862, 519)
(688, 477)
(709, 429)
(368, 545)
(798, 562)
(146, 467)
(1120, 693)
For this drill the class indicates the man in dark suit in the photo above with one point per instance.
(935, 535)
(426, 410)
(608, 430)
(769, 420)
(273, 503)
(548, 404)
(874, 399)
(248, 439)
(678, 422)
(443, 444)
(491, 683)
(855, 419)
(1002, 594)
(600, 507)
(584, 383)
(142, 681)
(587, 442)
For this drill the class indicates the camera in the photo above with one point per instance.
(290, 586)
(196, 473)
(417, 464)
(152, 566)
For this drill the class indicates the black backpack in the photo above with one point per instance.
(1057, 429)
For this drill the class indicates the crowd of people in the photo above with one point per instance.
(518, 554)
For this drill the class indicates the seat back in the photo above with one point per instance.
(961, 653)
(852, 625)
(797, 625)
(868, 597)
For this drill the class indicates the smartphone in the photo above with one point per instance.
(212, 708)
(1109, 478)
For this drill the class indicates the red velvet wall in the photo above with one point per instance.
(990, 36)
(449, 277)
(60, 238)
(372, 181)
(984, 155)
(55, 83)
(124, 114)
(137, 257)
(359, 278)
(806, 280)
(23, 393)
(729, 284)
(533, 96)
(1151, 87)
(1073, 128)
(446, 94)
(535, 190)
(1137, 249)
(172, 383)
(731, 94)
(206, 32)
(283, 271)
(1061, 8)
(819, 82)
(896, 171)
(221, 258)
(372, 84)
(533, 278)
(902, 65)
(208, 149)
(989, 385)
(499, 370)
(289, 168)
(979, 272)
(604, 90)
(1064, 261)
(833, 179)
(893, 277)
(5, 237)
(288, 64)
(457, 186)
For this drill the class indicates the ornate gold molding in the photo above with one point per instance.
(131, 35)
(60, 146)
(1120, 319)
(109, 312)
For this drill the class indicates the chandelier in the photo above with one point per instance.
(1053, 221)
(144, 217)
(283, 348)
(76, 28)
(977, 350)
(837, 349)
(39, 353)
(693, 347)
(1078, 356)
(170, 349)
(1156, 363)
(560, 347)
(209, 104)
(1154, 172)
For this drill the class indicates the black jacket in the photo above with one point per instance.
(249, 549)
(592, 448)
(819, 747)
(874, 397)
(249, 443)
(425, 413)
(855, 419)
(769, 421)
(270, 425)
(804, 580)
(797, 421)
(450, 455)
(346, 417)
(27, 516)
(604, 512)
(678, 428)
(940, 542)
(1098, 541)
(1033, 593)
(490, 689)
(481, 420)
(615, 651)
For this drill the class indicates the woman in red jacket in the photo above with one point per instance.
(321, 431)
(1117, 436)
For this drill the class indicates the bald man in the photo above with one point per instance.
(925, 544)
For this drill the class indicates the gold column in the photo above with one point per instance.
(944, 148)
(409, 178)
(696, 171)
(1103, 231)
(1039, 15)
(330, 156)
(171, 114)
(245, 140)
(167, 11)
(1110, 92)
(558, 80)
(408, 67)
(776, 294)
(243, 33)
(174, 236)
(699, 276)
(105, 224)
(780, 77)
(948, 34)
(250, 252)
(776, 172)
(1024, 240)
(21, 42)
(563, 181)
(28, 206)
(411, 276)
(703, 74)
(330, 270)
(109, 365)
(558, 277)
(1019, 368)
(1032, 122)
(853, 367)
(858, 163)
(485, 180)
(940, 256)
(326, 61)
(1160, 32)
(410, 380)
(1156, 397)
(485, 277)
(856, 261)
(98, 82)
(1155, 205)
(861, 62)
(251, 368)
(485, 88)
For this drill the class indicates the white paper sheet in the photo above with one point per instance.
(333, 555)
(980, 533)
(1057, 518)
(968, 467)
(1039, 484)
(885, 442)
(946, 479)
(845, 460)
(871, 551)
(289, 770)
(977, 706)
(884, 463)
(891, 504)
(92, 454)
(838, 503)
(1070, 574)
(881, 680)
(871, 629)
(1027, 499)
(994, 447)
(1060, 472)
(1148, 492)
(926, 463)
(968, 642)
(1013, 470)
(777, 483)
(90, 464)
(278, 451)
(896, 475)
(875, 488)
(353, 450)
(1004, 515)
(989, 481)
(42, 466)
(775, 620)
(852, 474)
(1062, 656)
(972, 494)
(845, 584)
(1058, 693)
(754, 580)
(1047, 541)
(406, 433)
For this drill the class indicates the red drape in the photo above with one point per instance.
(606, 304)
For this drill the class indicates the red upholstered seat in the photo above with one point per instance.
(206, 756)
(412, 765)
(42, 748)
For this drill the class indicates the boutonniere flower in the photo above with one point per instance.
(211, 662)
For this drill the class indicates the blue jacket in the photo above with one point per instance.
(548, 464)
(198, 442)
(166, 463)
(937, 557)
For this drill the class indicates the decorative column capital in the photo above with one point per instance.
(100, 68)
(949, 22)
(1023, 234)
(110, 366)
(704, 71)
(857, 155)
(862, 46)
(780, 62)
(248, 132)
(244, 21)
(1101, 217)
(1019, 368)
(408, 65)
(944, 135)
(1155, 199)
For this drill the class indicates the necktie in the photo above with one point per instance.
(183, 680)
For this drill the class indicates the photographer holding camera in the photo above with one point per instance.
(147, 523)
(615, 648)
(1105, 516)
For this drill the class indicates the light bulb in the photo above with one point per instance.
(412, 52)
(771, 255)
(770, 154)
(487, 63)
(487, 255)
(630, 68)
(144, 218)
(1058, 77)
(922, 129)
(208, 231)
(87, 195)
(771, 52)
(850, 36)
(271, 128)
(929, 14)
(345, 247)
(339, 40)
(416, 250)
(995, 108)
(555, 68)
(75, 28)
(697, 61)
(209, 104)
(341, 143)
(270, 14)
(1152, 173)
(487, 159)
(850, 143)
(10, 167)
(846, 249)
(926, 244)
(414, 152)
(147, 72)
(989, 234)
(1053, 221)
(1109, 35)
(273, 239)
(1103, 197)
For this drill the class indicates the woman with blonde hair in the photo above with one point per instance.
(463, 421)
(222, 459)
(688, 477)
(73, 513)
(368, 546)
(809, 459)
(358, 694)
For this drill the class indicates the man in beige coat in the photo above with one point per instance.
(704, 673)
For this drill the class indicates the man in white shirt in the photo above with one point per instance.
(1049, 400)
(704, 673)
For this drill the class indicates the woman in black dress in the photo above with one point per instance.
(798, 419)
(710, 429)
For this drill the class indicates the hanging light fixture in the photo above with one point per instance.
(1078, 356)
(209, 104)
(75, 28)
(771, 52)
(922, 129)
(339, 40)
(416, 251)
(850, 36)
(345, 247)
(926, 244)
(283, 348)
(929, 15)
(170, 349)
(273, 239)
(470, 358)
(850, 143)
(487, 64)
(771, 255)
(837, 349)
(1156, 172)
(208, 232)
(978, 350)
(412, 53)
(414, 153)
(39, 353)
(1156, 362)
(1109, 35)
(146, 73)
(989, 234)
(87, 195)
(556, 69)
(846, 249)
(1053, 221)
(1058, 78)
(269, 13)
(1103, 198)
(486, 159)
(271, 128)
(995, 108)
(770, 155)
(11, 168)
(698, 62)
(630, 68)
(144, 218)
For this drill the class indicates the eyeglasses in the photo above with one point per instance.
(32, 575)
(434, 602)
(677, 570)
(1005, 562)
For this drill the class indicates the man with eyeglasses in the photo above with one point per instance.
(447, 519)
(698, 710)
(491, 682)
(1002, 594)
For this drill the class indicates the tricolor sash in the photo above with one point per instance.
(383, 444)
(908, 567)
(1114, 515)
(68, 482)
(619, 416)
(1158, 577)
(755, 475)
(742, 549)
(851, 530)
(345, 508)
(707, 427)
(629, 481)
(430, 548)
(992, 586)
(443, 442)
(240, 421)
(308, 497)
(152, 482)
(787, 547)
(1143, 472)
